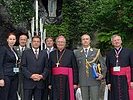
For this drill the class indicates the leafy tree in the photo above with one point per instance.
(100, 18)
(19, 10)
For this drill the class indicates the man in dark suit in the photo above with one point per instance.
(86, 57)
(49, 48)
(23, 38)
(34, 66)
(49, 45)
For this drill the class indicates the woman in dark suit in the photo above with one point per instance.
(8, 70)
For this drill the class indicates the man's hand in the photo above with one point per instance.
(75, 86)
(109, 86)
(100, 76)
(50, 86)
(131, 84)
(2, 83)
(36, 77)
(41, 77)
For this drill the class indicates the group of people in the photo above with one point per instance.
(56, 73)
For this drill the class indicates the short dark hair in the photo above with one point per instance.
(36, 36)
(49, 38)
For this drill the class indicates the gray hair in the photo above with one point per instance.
(113, 36)
(61, 36)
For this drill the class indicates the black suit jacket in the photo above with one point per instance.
(7, 61)
(31, 65)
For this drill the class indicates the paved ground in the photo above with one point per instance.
(102, 88)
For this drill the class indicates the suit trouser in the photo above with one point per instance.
(90, 92)
(35, 93)
(45, 94)
(9, 91)
(45, 91)
(20, 86)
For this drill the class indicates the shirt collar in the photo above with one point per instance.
(21, 47)
(35, 50)
(50, 48)
(117, 49)
(86, 48)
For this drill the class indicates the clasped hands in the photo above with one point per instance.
(36, 77)
(131, 84)
(2, 83)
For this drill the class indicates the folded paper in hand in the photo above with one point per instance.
(106, 93)
(95, 70)
(78, 94)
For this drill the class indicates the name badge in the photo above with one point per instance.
(15, 70)
(116, 68)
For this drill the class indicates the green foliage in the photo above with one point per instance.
(69, 26)
(19, 10)
(110, 17)
(104, 39)
(55, 30)
(103, 17)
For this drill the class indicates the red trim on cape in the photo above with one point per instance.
(125, 71)
(69, 73)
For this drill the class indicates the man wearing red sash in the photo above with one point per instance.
(64, 71)
(119, 71)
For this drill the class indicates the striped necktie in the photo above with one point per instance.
(36, 53)
(48, 51)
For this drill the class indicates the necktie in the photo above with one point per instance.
(86, 52)
(36, 54)
(86, 63)
(48, 51)
(22, 49)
